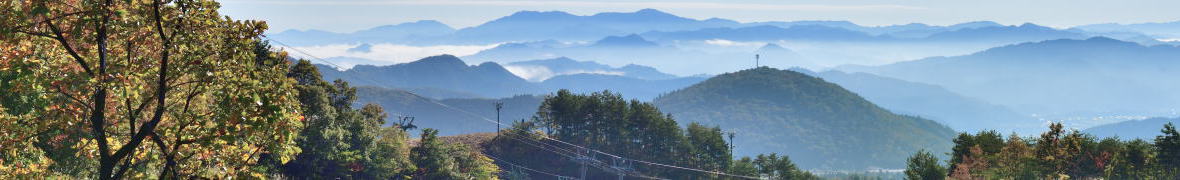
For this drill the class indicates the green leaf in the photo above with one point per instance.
(39, 10)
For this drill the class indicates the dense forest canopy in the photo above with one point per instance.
(1056, 154)
(627, 130)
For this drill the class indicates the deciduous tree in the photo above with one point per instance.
(145, 85)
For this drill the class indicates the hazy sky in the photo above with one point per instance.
(352, 15)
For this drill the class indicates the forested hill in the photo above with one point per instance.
(443, 72)
(819, 124)
(449, 116)
(1145, 129)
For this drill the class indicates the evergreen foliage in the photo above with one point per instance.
(604, 121)
(924, 166)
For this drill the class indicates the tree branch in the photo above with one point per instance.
(70, 49)
(162, 88)
(169, 157)
(98, 117)
(50, 19)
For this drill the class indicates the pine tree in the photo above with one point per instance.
(924, 166)
(1168, 146)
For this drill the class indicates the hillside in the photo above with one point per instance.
(641, 89)
(444, 72)
(541, 69)
(819, 124)
(450, 116)
(1145, 129)
(961, 113)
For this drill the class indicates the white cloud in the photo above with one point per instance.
(617, 73)
(541, 73)
(728, 43)
(1169, 40)
(393, 53)
(531, 73)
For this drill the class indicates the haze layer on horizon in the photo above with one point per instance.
(352, 15)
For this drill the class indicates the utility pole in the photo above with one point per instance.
(621, 166)
(499, 105)
(584, 158)
(756, 63)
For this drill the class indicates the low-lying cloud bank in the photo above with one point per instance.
(541, 73)
(388, 53)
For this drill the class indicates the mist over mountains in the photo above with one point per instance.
(694, 44)
(1096, 76)
(926, 80)
(933, 102)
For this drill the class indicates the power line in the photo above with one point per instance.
(526, 168)
(544, 137)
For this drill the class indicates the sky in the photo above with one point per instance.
(353, 15)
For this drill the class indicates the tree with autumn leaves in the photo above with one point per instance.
(171, 89)
(133, 88)
(1059, 154)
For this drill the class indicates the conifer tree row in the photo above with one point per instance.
(605, 122)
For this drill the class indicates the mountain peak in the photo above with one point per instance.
(771, 47)
(628, 40)
(363, 48)
(642, 16)
(1033, 26)
(784, 103)
(416, 25)
(650, 11)
(539, 15)
(445, 60)
(1102, 39)
(974, 24)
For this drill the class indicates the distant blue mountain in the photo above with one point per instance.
(1023, 33)
(629, 41)
(400, 33)
(974, 32)
(527, 26)
(349, 62)
(1099, 76)
(447, 76)
(557, 25)
(567, 66)
(443, 72)
(1163, 30)
(763, 33)
(961, 113)
(642, 89)
(919, 30)
(775, 55)
(306, 37)
(563, 64)
(644, 72)
(403, 31)
(1145, 129)
(450, 116)
(835, 24)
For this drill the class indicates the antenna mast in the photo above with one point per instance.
(756, 63)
